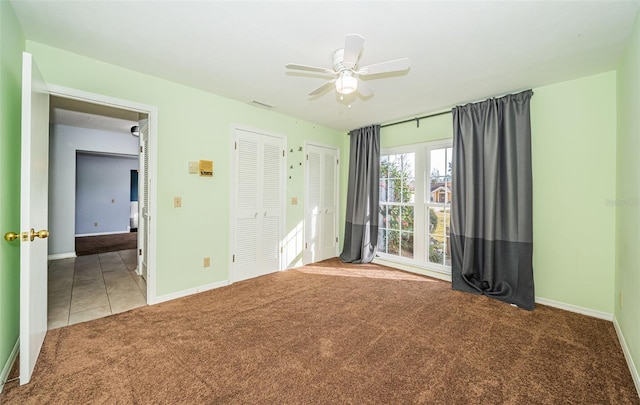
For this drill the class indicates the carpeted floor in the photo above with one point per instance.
(332, 334)
(91, 245)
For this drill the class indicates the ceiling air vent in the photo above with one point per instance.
(262, 105)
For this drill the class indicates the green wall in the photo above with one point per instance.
(11, 46)
(573, 146)
(573, 129)
(192, 125)
(627, 282)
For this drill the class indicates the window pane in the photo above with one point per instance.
(393, 242)
(447, 222)
(438, 163)
(409, 190)
(407, 218)
(384, 167)
(407, 244)
(382, 216)
(436, 240)
(394, 217)
(394, 187)
(383, 190)
(382, 241)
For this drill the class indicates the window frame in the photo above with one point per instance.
(422, 153)
(428, 203)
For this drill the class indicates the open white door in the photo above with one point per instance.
(33, 216)
(143, 199)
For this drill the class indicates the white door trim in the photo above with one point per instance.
(306, 193)
(232, 192)
(152, 112)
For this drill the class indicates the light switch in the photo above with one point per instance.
(206, 262)
(177, 202)
(193, 167)
(294, 200)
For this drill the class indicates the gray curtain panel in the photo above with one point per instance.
(361, 222)
(491, 213)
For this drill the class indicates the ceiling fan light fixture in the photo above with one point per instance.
(346, 83)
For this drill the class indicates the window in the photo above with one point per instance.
(397, 200)
(439, 206)
(415, 205)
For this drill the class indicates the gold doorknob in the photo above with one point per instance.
(42, 234)
(11, 236)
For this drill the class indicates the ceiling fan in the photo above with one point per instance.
(346, 70)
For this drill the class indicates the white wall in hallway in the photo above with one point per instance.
(63, 144)
(103, 191)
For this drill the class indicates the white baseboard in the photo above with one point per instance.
(189, 291)
(574, 308)
(627, 355)
(58, 256)
(80, 235)
(4, 374)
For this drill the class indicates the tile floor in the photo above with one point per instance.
(94, 286)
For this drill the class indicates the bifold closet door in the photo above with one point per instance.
(258, 205)
(321, 233)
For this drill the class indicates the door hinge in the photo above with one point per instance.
(307, 156)
(233, 258)
(336, 239)
(282, 152)
(281, 249)
(337, 161)
(235, 145)
(139, 252)
(140, 149)
(306, 246)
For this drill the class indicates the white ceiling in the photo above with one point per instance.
(64, 111)
(461, 51)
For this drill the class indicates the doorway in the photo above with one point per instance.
(102, 148)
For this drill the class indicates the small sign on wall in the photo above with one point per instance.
(206, 168)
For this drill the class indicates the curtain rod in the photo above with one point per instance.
(417, 119)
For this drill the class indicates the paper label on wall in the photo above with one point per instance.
(206, 168)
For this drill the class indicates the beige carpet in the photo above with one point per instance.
(332, 334)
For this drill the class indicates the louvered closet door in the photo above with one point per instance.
(271, 171)
(321, 203)
(258, 205)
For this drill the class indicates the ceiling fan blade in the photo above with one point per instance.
(322, 88)
(352, 48)
(309, 68)
(386, 67)
(364, 89)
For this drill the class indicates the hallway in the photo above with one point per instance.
(89, 287)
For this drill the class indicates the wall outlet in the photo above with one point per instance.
(294, 200)
(177, 202)
(206, 262)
